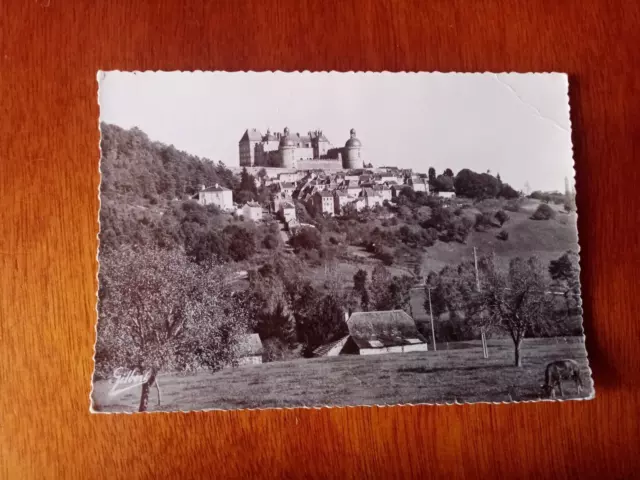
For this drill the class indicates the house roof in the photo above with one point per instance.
(383, 329)
(370, 192)
(287, 205)
(250, 345)
(251, 134)
(253, 205)
(288, 185)
(341, 193)
(325, 193)
(216, 188)
(322, 350)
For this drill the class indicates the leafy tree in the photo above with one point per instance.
(508, 192)
(247, 182)
(476, 185)
(158, 311)
(503, 235)
(484, 221)
(543, 212)
(432, 176)
(565, 271)
(307, 238)
(448, 173)
(517, 301)
(241, 242)
(361, 289)
(443, 183)
(502, 217)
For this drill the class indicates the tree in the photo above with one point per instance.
(448, 173)
(476, 185)
(508, 192)
(443, 183)
(159, 311)
(565, 271)
(517, 301)
(502, 217)
(241, 242)
(503, 235)
(360, 288)
(247, 182)
(307, 238)
(380, 278)
(432, 176)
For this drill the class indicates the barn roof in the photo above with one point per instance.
(383, 329)
(323, 350)
(250, 345)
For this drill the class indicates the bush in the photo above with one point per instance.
(502, 217)
(271, 241)
(512, 206)
(307, 238)
(484, 221)
(543, 212)
(503, 235)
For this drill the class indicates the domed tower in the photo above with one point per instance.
(351, 158)
(287, 150)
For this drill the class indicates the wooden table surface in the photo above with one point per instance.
(50, 51)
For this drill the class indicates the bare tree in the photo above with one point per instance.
(159, 311)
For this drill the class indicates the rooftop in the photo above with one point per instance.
(383, 329)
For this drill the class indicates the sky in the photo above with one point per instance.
(516, 125)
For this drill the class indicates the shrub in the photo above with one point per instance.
(543, 212)
(271, 241)
(484, 221)
(503, 235)
(307, 238)
(502, 217)
(512, 206)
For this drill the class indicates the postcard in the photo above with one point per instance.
(326, 239)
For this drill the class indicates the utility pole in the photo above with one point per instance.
(433, 332)
(485, 350)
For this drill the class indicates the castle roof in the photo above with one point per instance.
(353, 142)
(251, 135)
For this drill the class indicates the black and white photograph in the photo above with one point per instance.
(326, 239)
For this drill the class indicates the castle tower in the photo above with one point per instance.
(287, 150)
(352, 158)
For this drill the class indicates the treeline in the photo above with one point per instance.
(294, 315)
(139, 171)
(470, 184)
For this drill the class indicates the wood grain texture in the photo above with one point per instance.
(50, 51)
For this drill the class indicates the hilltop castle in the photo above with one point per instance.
(291, 150)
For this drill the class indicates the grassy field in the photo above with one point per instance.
(459, 374)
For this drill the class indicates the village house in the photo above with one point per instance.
(288, 210)
(290, 177)
(372, 333)
(419, 184)
(341, 199)
(252, 211)
(384, 192)
(352, 188)
(250, 350)
(323, 202)
(287, 188)
(372, 197)
(446, 194)
(360, 203)
(217, 195)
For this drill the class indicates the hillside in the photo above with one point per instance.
(547, 239)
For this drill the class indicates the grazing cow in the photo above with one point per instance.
(558, 371)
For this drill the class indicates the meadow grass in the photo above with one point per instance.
(459, 374)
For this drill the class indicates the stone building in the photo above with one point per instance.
(217, 195)
(302, 152)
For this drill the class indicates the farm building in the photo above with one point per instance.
(372, 333)
(250, 350)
